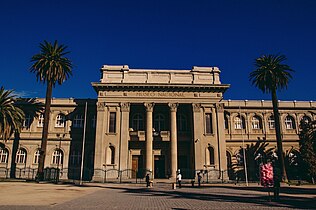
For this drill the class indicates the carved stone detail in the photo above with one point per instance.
(125, 107)
(149, 106)
(196, 107)
(220, 107)
(173, 106)
(101, 106)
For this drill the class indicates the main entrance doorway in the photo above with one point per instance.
(159, 165)
(137, 166)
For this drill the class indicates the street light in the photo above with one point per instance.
(59, 153)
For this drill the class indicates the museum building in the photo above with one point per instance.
(154, 121)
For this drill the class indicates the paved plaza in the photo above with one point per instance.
(23, 195)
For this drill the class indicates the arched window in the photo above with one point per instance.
(36, 156)
(4, 153)
(110, 155)
(60, 121)
(306, 119)
(27, 121)
(78, 121)
(57, 157)
(21, 156)
(256, 122)
(40, 122)
(239, 122)
(159, 122)
(211, 155)
(271, 122)
(138, 122)
(182, 123)
(289, 122)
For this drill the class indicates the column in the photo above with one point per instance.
(99, 154)
(221, 138)
(149, 135)
(198, 131)
(124, 135)
(173, 139)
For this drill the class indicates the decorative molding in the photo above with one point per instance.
(100, 106)
(220, 107)
(125, 107)
(149, 106)
(196, 107)
(173, 106)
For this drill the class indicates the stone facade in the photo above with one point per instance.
(156, 121)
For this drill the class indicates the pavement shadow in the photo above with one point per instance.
(242, 194)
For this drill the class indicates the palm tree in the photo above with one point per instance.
(50, 66)
(269, 76)
(11, 116)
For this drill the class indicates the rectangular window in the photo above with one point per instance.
(208, 123)
(112, 126)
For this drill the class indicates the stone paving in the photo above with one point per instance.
(160, 196)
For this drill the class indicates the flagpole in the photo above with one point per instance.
(83, 143)
(243, 148)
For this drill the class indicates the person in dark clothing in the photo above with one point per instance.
(147, 181)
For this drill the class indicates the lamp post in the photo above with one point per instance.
(59, 154)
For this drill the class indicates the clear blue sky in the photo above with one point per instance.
(163, 34)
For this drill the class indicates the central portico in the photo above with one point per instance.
(158, 121)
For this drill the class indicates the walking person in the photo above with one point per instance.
(147, 181)
(179, 177)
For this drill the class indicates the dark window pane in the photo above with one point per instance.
(208, 122)
(112, 128)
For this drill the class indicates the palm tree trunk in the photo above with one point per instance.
(41, 162)
(278, 134)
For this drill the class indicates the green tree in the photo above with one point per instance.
(308, 148)
(51, 67)
(269, 76)
(11, 116)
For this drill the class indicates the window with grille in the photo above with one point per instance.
(4, 155)
(94, 121)
(208, 123)
(239, 123)
(112, 125)
(75, 158)
(21, 156)
(159, 122)
(57, 157)
(40, 122)
(78, 121)
(256, 122)
(289, 122)
(138, 122)
(27, 121)
(60, 121)
(182, 123)
(271, 122)
(36, 156)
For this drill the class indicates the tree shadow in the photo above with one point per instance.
(240, 195)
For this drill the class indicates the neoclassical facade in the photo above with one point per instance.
(154, 121)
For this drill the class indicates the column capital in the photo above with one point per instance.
(196, 107)
(100, 106)
(125, 106)
(149, 106)
(220, 107)
(173, 106)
